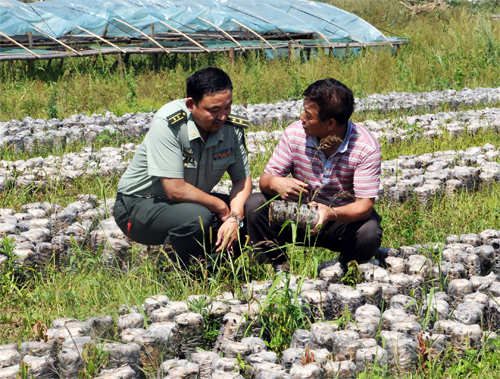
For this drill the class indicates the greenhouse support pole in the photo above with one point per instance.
(326, 39)
(185, 35)
(101, 39)
(231, 55)
(144, 34)
(18, 44)
(254, 32)
(223, 32)
(62, 43)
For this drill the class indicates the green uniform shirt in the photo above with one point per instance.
(173, 148)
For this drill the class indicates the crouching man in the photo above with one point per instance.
(333, 164)
(164, 197)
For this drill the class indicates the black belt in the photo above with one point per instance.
(120, 196)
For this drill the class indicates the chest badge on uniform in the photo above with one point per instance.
(187, 159)
(189, 150)
(223, 153)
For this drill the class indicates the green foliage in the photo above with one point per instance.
(11, 274)
(132, 93)
(344, 318)
(353, 275)
(281, 314)
(52, 108)
(211, 325)
(95, 358)
(242, 367)
(24, 371)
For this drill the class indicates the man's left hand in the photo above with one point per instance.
(325, 215)
(227, 235)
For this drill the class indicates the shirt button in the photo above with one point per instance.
(185, 164)
(202, 167)
(224, 167)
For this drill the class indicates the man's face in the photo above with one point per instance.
(313, 126)
(212, 111)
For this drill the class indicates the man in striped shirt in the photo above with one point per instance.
(325, 160)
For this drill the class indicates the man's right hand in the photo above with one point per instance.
(290, 189)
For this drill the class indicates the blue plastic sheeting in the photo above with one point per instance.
(59, 17)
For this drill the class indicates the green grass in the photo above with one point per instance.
(453, 48)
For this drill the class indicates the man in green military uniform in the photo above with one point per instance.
(164, 196)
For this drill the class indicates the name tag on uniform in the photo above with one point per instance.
(223, 153)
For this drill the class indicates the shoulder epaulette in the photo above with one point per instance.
(177, 118)
(238, 121)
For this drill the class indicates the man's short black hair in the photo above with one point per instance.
(207, 81)
(334, 99)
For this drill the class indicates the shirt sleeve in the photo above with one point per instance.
(367, 175)
(281, 162)
(164, 151)
(240, 169)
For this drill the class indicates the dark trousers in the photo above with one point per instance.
(358, 240)
(191, 229)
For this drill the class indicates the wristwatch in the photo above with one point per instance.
(238, 220)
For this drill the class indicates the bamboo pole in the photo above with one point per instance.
(326, 39)
(185, 35)
(223, 32)
(254, 32)
(102, 39)
(55, 39)
(18, 44)
(144, 34)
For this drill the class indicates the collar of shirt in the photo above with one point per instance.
(314, 141)
(193, 132)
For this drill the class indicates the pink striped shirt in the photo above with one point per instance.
(354, 168)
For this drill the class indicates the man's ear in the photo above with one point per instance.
(332, 124)
(190, 104)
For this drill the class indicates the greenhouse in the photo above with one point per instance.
(60, 28)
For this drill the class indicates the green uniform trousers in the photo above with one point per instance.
(159, 221)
